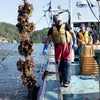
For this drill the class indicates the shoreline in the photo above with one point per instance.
(4, 40)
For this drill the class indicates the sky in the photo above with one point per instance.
(9, 11)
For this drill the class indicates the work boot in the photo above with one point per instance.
(61, 84)
(66, 85)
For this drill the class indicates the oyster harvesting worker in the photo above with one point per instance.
(61, 35)
(83, 37)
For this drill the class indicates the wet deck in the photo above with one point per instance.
(80, 88)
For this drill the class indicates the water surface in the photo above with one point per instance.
(10, 81)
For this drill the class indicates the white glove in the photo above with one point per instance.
(90, 42)
(83, 43)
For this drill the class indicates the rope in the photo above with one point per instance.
(47, 21)
(40, 19)
(40, 70)
(92, 10)
(7, 54)
(2, 45)
(50, 17)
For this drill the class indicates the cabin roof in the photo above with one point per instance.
(77, 23)
(84, 21)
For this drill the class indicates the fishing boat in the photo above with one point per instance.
(82, 86)
(85, 74)
(85, 79)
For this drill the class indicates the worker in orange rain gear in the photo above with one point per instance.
(61, 36)
(84, 38)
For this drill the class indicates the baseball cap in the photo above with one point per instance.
(57, 17)
(82, 25)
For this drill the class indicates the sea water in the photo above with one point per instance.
(10, 77)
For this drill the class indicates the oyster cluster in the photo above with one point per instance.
(25, 47)
(23, 25)
(26, 66)
(31, 80)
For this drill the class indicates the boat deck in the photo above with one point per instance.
(80, 88)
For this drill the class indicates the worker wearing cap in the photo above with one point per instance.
(84, 37)
(61, 37)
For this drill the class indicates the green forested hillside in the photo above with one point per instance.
(10, 32)
(39, 36)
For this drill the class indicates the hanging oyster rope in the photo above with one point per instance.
(26, 45)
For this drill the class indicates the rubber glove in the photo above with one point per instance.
(74, 46)
(45, 49)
